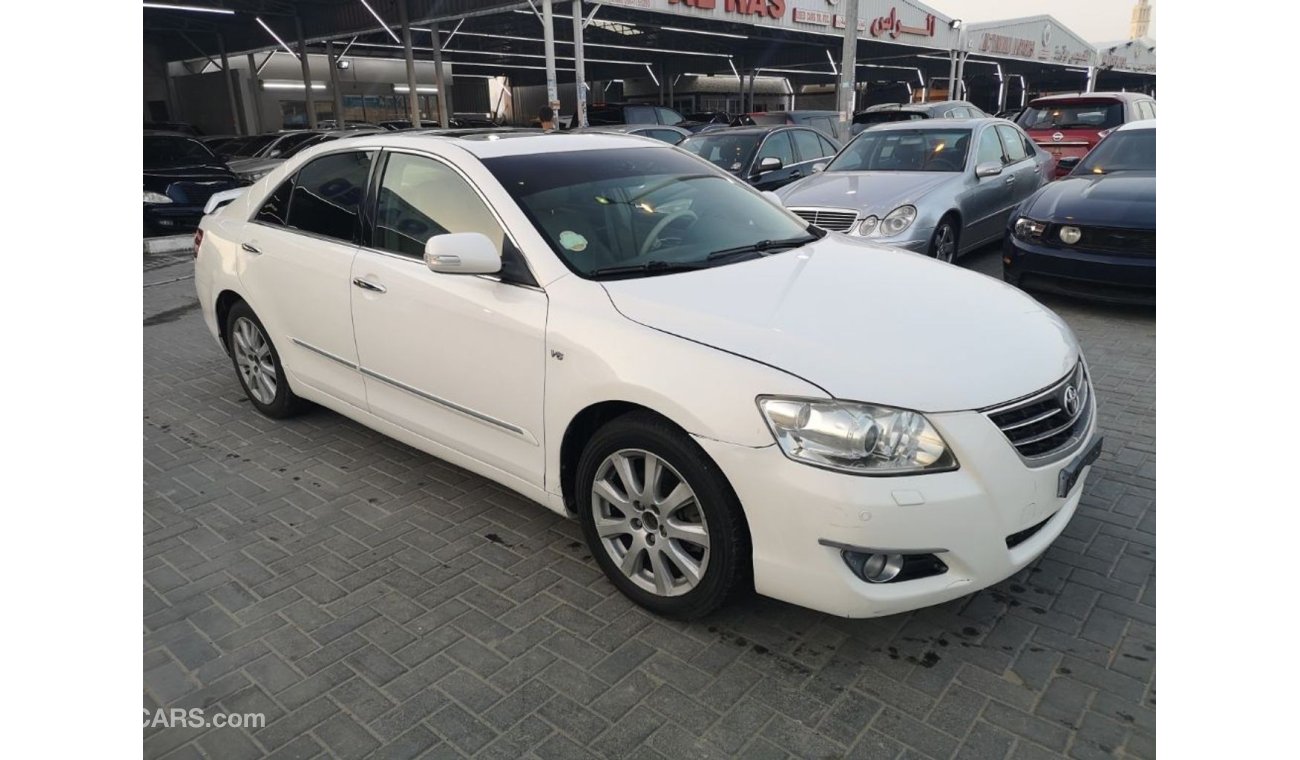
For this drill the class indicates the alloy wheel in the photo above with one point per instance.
(650, 523)
(254, 360)
(945, 243)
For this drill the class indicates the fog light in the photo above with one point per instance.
(1070, 235)
(874, 568)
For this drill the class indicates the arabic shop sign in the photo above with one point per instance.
(1034, 39)
(1001, 44)
(892, 27)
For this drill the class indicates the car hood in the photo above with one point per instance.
(253, 165)
(1122, 199)
(869, 192)
(864, 322)
(158, 178)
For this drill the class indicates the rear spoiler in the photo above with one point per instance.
(222, 198)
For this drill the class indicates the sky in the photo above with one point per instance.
(1094, 20)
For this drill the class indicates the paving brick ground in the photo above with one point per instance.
(371, 600)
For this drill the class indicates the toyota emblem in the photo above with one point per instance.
(1057, 137)
(1070, 400)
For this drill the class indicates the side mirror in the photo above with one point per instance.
(771, 163)
(988, 169)
(462, 253)
(819, 167)
(774, 198)
(1067, 164)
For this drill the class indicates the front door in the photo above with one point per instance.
(457, 359)
(298, 251)
(777, 145)
(990, 196)
(1020, 163)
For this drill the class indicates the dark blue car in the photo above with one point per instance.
(1092, 233)
(180, 174)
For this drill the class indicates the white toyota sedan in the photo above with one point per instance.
(719, 392)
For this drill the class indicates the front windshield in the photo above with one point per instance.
(656, 208)
(1098, 114)
(904, 150)
(731, 152)
(1127, 151)
(174, 151)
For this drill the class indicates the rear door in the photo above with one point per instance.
(455, 359)
(810, 149)
(295, 262)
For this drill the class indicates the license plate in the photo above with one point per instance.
(1070, 474)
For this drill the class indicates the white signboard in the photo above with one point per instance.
(1038, 38)
(1135, 55)
(905, 22)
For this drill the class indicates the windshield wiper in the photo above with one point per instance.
(761, 247)
(654, 267)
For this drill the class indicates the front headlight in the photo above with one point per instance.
(865, 439)
(1028, 229)
(152, 197)
(252, 177)
(866, 226)
(897, 221)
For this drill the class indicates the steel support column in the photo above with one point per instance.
(254, 94)
(333, 62)
(580, 69)
(548, 39)
(236, 114)
(444, 87)
(306, 74)
(952, 75)
(844, 101)
(412, 93)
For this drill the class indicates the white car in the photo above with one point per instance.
(621, 332)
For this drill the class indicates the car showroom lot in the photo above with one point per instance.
(366, 597)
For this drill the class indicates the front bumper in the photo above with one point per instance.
(171, 219)
(794, 509)
(1079, 272)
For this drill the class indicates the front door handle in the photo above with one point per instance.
(796, 173)
(368, 285)
(249, 249)
(1011, 180)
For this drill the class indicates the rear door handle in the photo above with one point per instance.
(249, 249)
(797, 173)
(368, 285)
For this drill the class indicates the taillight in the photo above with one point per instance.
(198, 241)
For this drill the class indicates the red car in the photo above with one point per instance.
(1071, 125)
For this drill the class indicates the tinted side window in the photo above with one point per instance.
(327, 195)
(276, 208)
(420, 198)
(668, 116)
(667, 135)
(824, 124)
(639, 115)
(778, 145)
(990, 148)
(808, 145)
(1015, 147)
(828, 147)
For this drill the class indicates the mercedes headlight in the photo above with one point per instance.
(866, 226)
(152, 197)
(865, 439)
(1028, 229)
(897, 221)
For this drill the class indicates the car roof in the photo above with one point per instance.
(1135, 125)
(935, 124)
(1091, 96)
(796, 111)
(626, 128)
(498, 143)
(755, 129)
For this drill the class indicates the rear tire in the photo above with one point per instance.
(258, 365)
(675, 542)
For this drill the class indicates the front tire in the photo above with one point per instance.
(660, 518)
(943, 243)
(258, 365)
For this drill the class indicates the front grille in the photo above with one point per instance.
(833, 219)
(1115, 240)
(1051, 423)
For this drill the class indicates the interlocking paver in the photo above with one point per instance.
(373, 601)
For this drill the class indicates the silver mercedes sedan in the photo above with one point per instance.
(942, 187)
